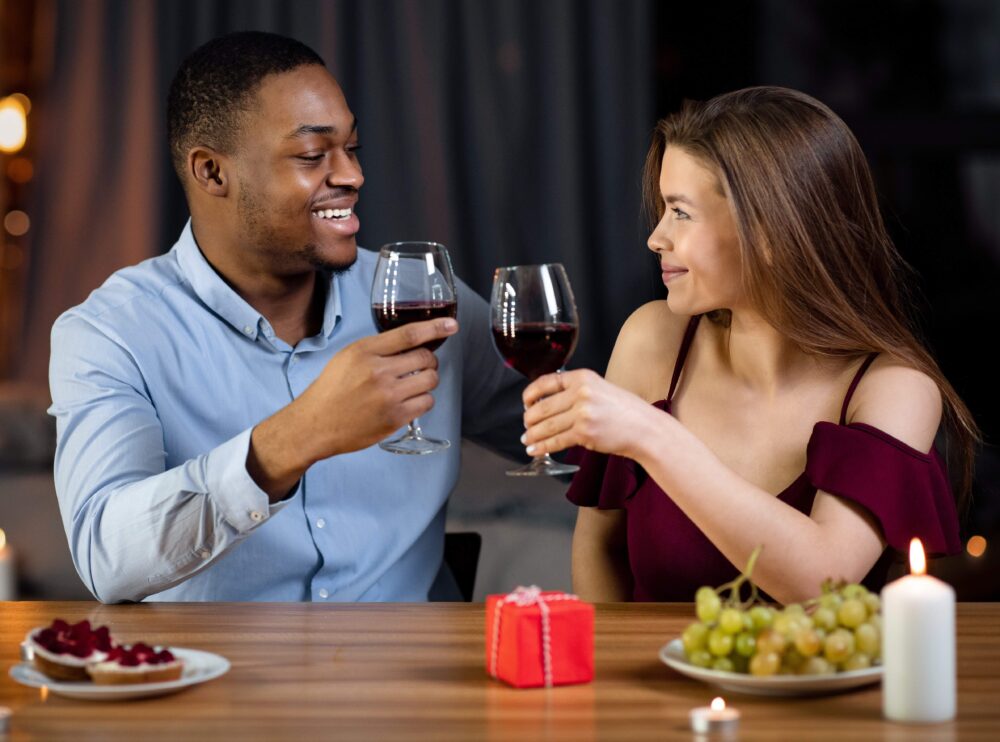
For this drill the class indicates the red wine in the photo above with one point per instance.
(535, 348)
(391, 316)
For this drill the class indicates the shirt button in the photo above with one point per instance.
(321, 523)
(204, 553)
(256, 515)
(295, 359)
(248, 330)
(323, 593)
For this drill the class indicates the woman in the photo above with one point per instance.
(783, 353)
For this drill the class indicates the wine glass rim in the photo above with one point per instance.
(530, 265)
(394, 246)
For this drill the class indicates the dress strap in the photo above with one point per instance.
(854, 385)
(682, 354)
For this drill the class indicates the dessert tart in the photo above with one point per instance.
(139, 663)
(62, 651)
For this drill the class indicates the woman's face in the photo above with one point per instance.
(696, 239)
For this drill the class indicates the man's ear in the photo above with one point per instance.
(209, 170)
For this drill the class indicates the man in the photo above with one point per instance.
(217, 406)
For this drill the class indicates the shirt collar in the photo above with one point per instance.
(219, 296)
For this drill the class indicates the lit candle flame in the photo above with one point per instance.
(918, 562)
(43, 693)
(718, 704)
(3, 538)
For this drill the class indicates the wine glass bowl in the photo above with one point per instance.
(413, 282)
(535, 326)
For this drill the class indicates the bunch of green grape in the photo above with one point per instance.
(838, 631)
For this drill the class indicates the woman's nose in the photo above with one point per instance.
(659, 240)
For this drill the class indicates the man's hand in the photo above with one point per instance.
(368, 390)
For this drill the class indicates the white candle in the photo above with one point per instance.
(918, 645)
(8, 576)
(715, 719)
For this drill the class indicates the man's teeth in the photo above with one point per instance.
(333, 213)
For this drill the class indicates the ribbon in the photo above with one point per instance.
(522, 597)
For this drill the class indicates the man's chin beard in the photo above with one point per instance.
(312, 255)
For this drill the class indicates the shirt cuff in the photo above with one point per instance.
(243, 504)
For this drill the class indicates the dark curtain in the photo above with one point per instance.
(513, 132)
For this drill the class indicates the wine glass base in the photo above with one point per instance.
(413, 446)
(543, 466)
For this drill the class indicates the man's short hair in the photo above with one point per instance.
(215, 86)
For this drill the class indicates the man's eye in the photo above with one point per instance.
(353, 147)
(680, 214)
(311, 158)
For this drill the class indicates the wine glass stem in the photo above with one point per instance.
(414, 430)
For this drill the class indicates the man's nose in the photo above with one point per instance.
(346, 172)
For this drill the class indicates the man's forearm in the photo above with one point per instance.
(278, 457)
(133, 539)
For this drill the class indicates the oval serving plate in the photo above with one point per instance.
(199, 667)
(672, 655)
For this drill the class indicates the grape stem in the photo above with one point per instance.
(735, 585)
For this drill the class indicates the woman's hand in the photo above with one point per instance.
(579, 408)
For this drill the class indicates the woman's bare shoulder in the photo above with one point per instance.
(646, 349)
(900, 400)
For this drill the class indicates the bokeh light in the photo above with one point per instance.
(976, 546)
(24, 100)
(11, 257)
(20, 169)
(16, 223)
(13, 124)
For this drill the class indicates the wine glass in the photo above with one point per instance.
(413, 282)
(535, 325)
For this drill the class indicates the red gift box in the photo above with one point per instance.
(536, 638)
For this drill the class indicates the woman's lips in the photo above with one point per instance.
(671, 274)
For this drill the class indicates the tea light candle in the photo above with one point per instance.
(715, 719)
(918, 645)
(8, 577)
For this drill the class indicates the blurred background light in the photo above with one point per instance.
(20, 169)
(976, 546)
(16, 223)
(13, 123)
(24, 100)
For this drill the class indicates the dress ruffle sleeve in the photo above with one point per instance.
(604, 481)
(906, 490)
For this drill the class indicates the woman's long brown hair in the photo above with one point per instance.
(817, 261)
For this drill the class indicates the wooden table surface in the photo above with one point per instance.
(416, 672)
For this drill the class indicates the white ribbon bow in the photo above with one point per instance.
(521, 597)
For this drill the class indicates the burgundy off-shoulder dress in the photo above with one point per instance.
(906, 490)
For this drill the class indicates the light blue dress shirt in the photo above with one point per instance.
(157, 380)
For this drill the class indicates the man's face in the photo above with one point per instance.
(297, 175)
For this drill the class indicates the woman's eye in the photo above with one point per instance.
(680, 214)
(353, 148)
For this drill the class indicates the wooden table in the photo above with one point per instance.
(416, 672)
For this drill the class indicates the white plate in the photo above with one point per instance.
(199, 667)
(672, 655)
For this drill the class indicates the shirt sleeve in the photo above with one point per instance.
(906, 490)
(134, 527)
(492, 409)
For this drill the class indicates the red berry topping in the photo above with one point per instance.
(77, 640)
(139, 654)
